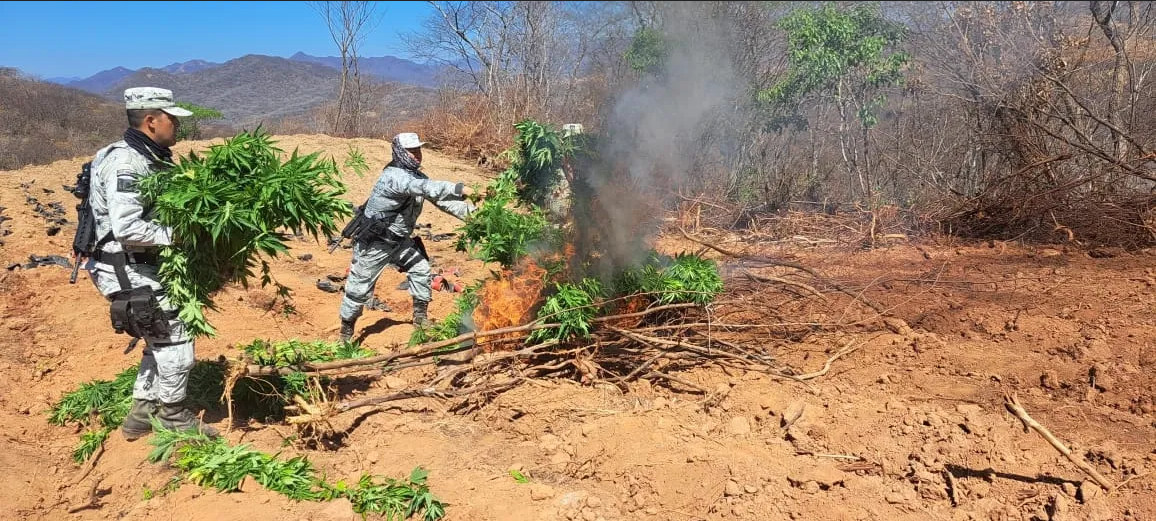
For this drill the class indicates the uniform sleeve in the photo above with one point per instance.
(428, 188)
(125, 211)
(456, 207)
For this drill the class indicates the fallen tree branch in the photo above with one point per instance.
(314, 413)
(1012, 403)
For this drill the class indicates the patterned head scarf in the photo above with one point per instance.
(401, 158)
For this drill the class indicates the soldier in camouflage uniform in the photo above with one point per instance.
(560, 198)
(126, 258)
(393, 208)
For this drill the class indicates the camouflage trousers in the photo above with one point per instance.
(369, 259)
(165, 361)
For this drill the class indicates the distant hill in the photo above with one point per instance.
(247, 90)
(189, 66)
(388, 68)
(43, 122)
(101, 81)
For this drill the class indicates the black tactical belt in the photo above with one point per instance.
(127, 257)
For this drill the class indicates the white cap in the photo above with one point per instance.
(570, 129)
(409, 140)
(153, 98)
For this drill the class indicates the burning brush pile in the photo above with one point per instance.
(570, 300)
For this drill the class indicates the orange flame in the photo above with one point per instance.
(633, 304)
(510, 299)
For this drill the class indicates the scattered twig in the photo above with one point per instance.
(93, 497)
(952, 487)
(89, 465)
(832, 456)
(1012, 403)
(851, 348)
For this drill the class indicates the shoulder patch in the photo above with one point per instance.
(126, 184)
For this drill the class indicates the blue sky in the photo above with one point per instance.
(60, 39)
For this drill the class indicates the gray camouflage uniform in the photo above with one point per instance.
(117, 208)
(398, 196)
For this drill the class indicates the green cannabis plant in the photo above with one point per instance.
(215, 463)
(229, 211)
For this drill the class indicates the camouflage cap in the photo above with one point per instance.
(409, 140)
(153, 98)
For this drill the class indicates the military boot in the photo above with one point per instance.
(179, 416)
(137, 424)
(421, 313)
(347, 329)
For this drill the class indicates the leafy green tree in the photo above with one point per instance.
(647, 52)
(191, 125)
(846, 56)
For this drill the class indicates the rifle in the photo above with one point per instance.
(84, 242)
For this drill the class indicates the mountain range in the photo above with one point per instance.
(385, 68)
(256, 89)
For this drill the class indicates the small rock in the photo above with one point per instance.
(305, 257)
(739, 426)
(738, 510)
(593, 502)
(340, 509)
(549, 442)
(968, 409)
(572, 499)
(588, 429)
(1098, 377)
(659, 403)
(895, 498)
(793, 413)
(1088, 491)
(897, 326)
(1069, 488)
(1049, 380)
(751, 489)
(539, 492)
(732, 488)
(394, 383)
(639, 500)
(651, 511)
(825, 475)
(1060, 509)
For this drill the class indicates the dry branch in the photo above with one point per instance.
(1012, 403)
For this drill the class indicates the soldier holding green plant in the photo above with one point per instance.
(126, 262)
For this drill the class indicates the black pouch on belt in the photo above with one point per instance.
(137, 312)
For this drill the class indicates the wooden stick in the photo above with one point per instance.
(1012, 403)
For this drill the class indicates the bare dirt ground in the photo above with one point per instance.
(910, 426)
